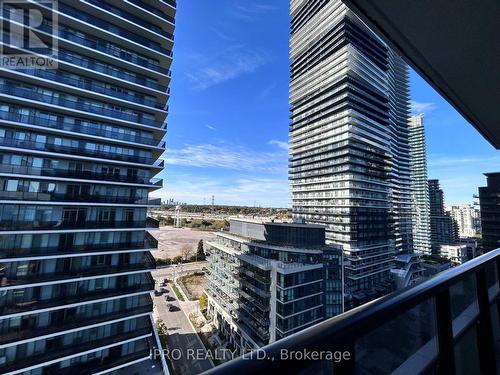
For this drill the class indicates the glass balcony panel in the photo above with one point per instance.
(154, 10)
(85, 17)
(492, 280)
(147, 263)
(78, 60)
(26, 302)
(464, 306)
(69, 322)
(75, 249)
(67, 123)
(82, 105)
(68, 197)
(495, 323)
(467, 354)
(406, 344)
(83, 174)
(91, 85)
(88, 224)
(51, 147)
(134, 19)
(113, 336)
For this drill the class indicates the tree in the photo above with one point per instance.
(203, 301)
(200, 253)
(186, 252)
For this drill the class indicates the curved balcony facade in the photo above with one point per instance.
(79, 151)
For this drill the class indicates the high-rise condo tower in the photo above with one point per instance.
(349, 152)
(79, 145)
(420, 187)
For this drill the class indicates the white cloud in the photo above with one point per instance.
(280, 144)
(422, 107)
(480, 163)
(227, 157)
(230, 64)
(222, 35)
(250, 11)
(266, 91)
(211, 127)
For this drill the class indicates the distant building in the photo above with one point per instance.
(471, 245)
(467, 219)
(489, 201)
(270, 280)
(407, 270)
(434, 264)
(420, 187)
(442, 228)
(456, 253)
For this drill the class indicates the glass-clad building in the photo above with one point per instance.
(420, 187)
(349, 163)
(79, 147)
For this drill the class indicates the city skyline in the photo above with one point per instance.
(238, 137)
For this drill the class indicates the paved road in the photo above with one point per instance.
(187, 351)
(178, 270)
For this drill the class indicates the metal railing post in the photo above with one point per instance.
(486, 349)
(446, 356)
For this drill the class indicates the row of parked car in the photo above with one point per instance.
(163, 290)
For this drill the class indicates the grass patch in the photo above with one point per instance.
(176, 291)
(193, 285)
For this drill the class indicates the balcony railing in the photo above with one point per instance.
(13, 224)
(83, 174)
(132, 18)
(423, 329)
(69, 197)
(51, 147)
(27, 302)
(154, 10)
(62, 124)
(18, 333)
(152, 223)
(154, 202)
(170, 2)
(82, 16)
(101, 364)
(61, 350)
(19, 252)
(107, 69)
(90, 85)
(147, 263)
(93, 107)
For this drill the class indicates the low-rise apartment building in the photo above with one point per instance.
(269, 280)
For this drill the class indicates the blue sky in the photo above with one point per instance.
(228, 121)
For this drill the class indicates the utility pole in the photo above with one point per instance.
(177, 221)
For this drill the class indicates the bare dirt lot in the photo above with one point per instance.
(195, 285)
(171, 240)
